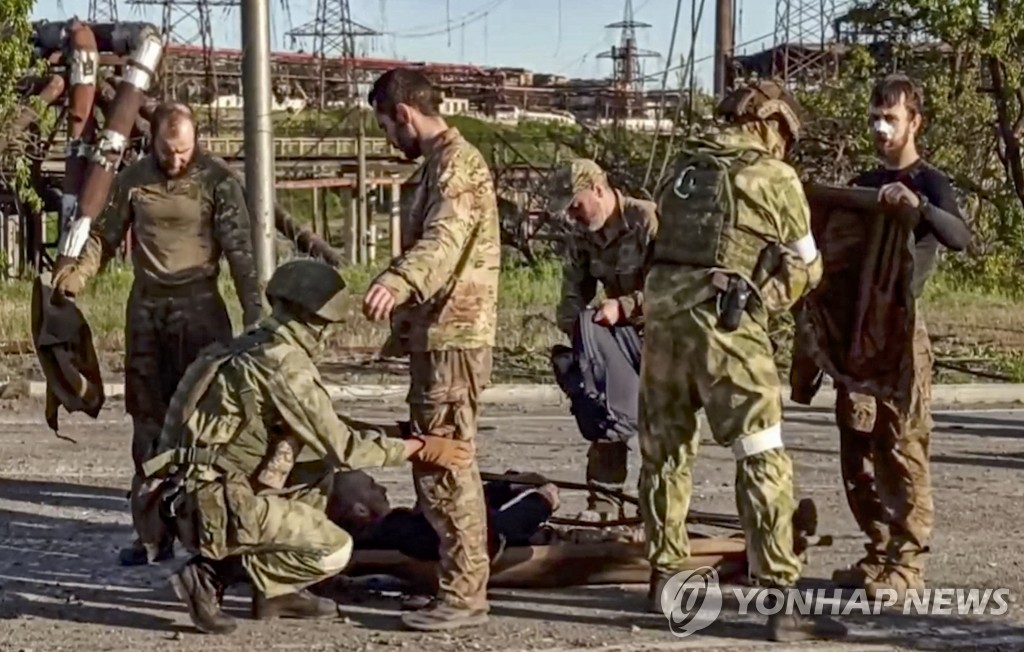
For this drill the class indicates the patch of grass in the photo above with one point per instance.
(527, 299)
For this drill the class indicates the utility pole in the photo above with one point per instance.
(724, 31)
(259, 132)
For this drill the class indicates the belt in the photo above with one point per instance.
(156, 290)
(187, 457)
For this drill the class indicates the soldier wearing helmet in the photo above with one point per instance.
(243, 467)
(734, 245)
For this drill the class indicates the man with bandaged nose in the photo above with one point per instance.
(883, 451)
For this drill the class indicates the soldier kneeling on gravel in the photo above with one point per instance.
(245, 460)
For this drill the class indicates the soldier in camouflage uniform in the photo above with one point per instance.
(608, 245)
(442, 294)
(734, 244)
(247, 456)
(185, 211)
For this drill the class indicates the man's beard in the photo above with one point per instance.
(893, 147)
(408, 144)
(178, 173)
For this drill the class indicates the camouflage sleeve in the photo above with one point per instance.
(234, 234)
(426, 268)
(107, 232)
(578, 288)
(633, 303)
(305, 407)
(801, 268)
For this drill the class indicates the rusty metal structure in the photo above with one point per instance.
(100, 80)
(627, 78)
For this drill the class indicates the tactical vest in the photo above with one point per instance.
(180, 450)
(698, 213)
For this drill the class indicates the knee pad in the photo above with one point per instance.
(336, 561)
(756, 443)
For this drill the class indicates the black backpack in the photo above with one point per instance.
(600, 375)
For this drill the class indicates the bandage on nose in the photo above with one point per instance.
(884, 128)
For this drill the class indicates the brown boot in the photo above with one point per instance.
(302, 605)
(607, 467)
(199, 586)
(866, 569)
(440, 615)
(894, 578)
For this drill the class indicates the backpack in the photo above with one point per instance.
(600, 375)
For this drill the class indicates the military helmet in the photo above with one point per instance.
(310, 284)
(763, 100)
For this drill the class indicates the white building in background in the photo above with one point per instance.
(454, 106)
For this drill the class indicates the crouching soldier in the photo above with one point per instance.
(243, 467)
(608, 245)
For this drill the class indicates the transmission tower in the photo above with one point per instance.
(102, 11)
(627, 81)
(188, 22)
(804, 36)
(333, 34)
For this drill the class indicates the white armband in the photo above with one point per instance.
(74, 239)
(806, 248)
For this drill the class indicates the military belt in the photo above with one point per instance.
(187, 457)
(156, 290)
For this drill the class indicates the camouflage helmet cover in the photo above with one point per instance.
(763, 100)
(310, 284)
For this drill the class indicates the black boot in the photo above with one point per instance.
(199, 585)
(138, 554)
(303, 605)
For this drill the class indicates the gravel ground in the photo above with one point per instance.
(63, 517)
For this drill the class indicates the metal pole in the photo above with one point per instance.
(361, 200)
(258, 129)
(396, 217)
(723, 45)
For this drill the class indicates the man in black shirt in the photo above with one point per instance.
(359, 505)
(884, 453)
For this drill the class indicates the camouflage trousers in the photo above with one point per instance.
(885, 467)
(689, 363)
(165, 331)
(285, 541)
(444, 400)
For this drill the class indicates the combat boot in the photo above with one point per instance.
(654, 588)
(895, 579)
(303, 605)
(792, 627)
(865, 570)
(440, 615)
(139, 554)
(200, 587)
(607, 467)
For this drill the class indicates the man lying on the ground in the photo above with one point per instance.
(359, 505)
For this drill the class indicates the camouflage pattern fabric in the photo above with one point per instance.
(885, 466)
(569, 179)
(445, 281)
(180, 229)
(284, 537)
(443, 400)
(614, 256)
(690, 363)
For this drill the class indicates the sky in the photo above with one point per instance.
(553, 36)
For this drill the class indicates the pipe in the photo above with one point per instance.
(106, 156)
(49, 90)
(259, 133)
(83, 66)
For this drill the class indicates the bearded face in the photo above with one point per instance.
(401, 134)
(893, 128)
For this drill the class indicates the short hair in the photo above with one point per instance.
(171, 115)
(888, 90)
(404, 86)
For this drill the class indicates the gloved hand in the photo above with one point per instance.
(451, 454)
(66, 280)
